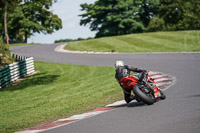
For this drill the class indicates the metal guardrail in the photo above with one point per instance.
(16, 71)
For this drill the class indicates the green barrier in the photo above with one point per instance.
(2, 69)
(7, 71)
(8, 78)
(24, 70)
(4, 73)
(5, 83)
(15, 71)
(4, 78)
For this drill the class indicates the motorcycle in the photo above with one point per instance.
(147, 93)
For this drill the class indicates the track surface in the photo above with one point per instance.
(179, 113)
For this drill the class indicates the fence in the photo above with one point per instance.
(16, 71)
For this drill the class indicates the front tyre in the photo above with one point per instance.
(146, 98)
(163, 96)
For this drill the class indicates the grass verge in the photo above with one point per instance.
(22, 44)
(176, 41)
(57, 91)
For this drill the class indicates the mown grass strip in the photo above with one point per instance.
(22, 44)
(57, 91)
(176, 41)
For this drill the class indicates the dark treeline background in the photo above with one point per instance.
(19, 19)
(72, 40)
(119, 17)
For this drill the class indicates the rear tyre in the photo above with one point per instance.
(146, 98)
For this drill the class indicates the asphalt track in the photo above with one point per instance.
(179, 113)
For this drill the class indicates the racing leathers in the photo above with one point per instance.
(124, 71)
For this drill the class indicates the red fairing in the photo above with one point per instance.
(148, 78)
(156, 90)
(128, 82)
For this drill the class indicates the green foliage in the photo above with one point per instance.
(71, 40)
(112, 17)
(156, 24)
(31, 16)
(5, 56)
(119, 17)
(148, 9)
(180, 14)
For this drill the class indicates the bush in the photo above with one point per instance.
(156, 24)
(5, 56)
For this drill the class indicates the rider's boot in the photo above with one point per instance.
(130, 98)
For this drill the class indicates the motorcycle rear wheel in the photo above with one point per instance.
(143, 96)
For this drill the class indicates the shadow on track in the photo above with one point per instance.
(131, 104)
(135, 104)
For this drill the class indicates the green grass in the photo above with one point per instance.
(176, 41)
(22, 44)
(57, 91)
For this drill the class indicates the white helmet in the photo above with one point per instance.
(119, 63)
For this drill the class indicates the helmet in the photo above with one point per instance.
(119, 63)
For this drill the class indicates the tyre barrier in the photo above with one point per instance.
(16, 70)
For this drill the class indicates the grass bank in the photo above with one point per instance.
(57, 91)
(176, 41)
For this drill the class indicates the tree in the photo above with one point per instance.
(30, 16)
(156, 24)
(180, 14)
(112, 17)
(1, 23)
(5, 21)
(191, 15)
(148, 10)
(5, 4)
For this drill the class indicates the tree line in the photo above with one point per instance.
(19, 19)
(119, 17)
(72, 40)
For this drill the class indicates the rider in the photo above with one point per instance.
(123, 70)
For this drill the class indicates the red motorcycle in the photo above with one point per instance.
(147, 93)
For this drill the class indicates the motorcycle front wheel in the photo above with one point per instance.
(146, 98)
(163, 96)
